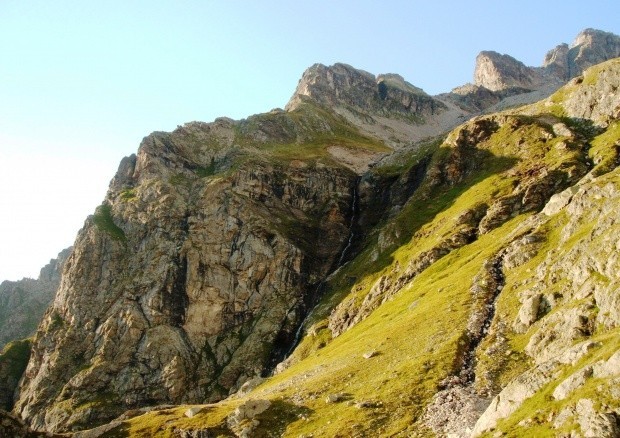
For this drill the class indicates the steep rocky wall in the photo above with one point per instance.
(187, 281)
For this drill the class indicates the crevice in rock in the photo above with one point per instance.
(487, 286)
(177, 300)
(354, 212)
(312, 299)
(456, 408)
(318, 291)
(348, 314)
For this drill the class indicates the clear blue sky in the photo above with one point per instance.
(81, 82)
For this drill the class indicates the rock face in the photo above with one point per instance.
(497, 72)
(590, 47)
(23, 302)
(11, 426)
(343, 85)
(190, 278)
(383, 106)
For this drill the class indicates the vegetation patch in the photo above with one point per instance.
(14, 358)
(206, 171)
(536, 415)
(104, 222)
(128, 194)
(605, 150)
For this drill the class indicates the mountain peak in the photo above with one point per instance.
(591, 37)
(391, 108)
(331, 85)
(497, 71)
(342, 85)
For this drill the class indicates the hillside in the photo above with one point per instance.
(345, 267)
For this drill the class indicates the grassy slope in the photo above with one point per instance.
(533, 416)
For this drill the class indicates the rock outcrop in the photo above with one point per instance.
(498, 72)
(589, 48)
(191, 277)
(384, 106)
(341, 85)
(23, 302)
(13, 427)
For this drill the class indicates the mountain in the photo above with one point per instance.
(501, 81)
(370, 261)
(23, 302)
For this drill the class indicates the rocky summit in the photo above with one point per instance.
(369, 261)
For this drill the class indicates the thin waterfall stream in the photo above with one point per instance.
(341, 259)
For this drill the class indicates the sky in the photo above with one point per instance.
(82, 82)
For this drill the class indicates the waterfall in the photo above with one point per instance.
(351, 228)
(341, 259)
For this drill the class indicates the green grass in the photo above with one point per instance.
(128, 194)
(542, 405)
(15, 356)
(605, 149)
(105, 223)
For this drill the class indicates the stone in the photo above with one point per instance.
(559, 201)
(247, 411)
(594, 424)
(513, 395)
(560, 129)
(608, 368)
(191, 412)
(369, 354)
(454, 411)
(571, 383)
(334, 398)
(563, 416)
(528, 313)
(366, 404)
